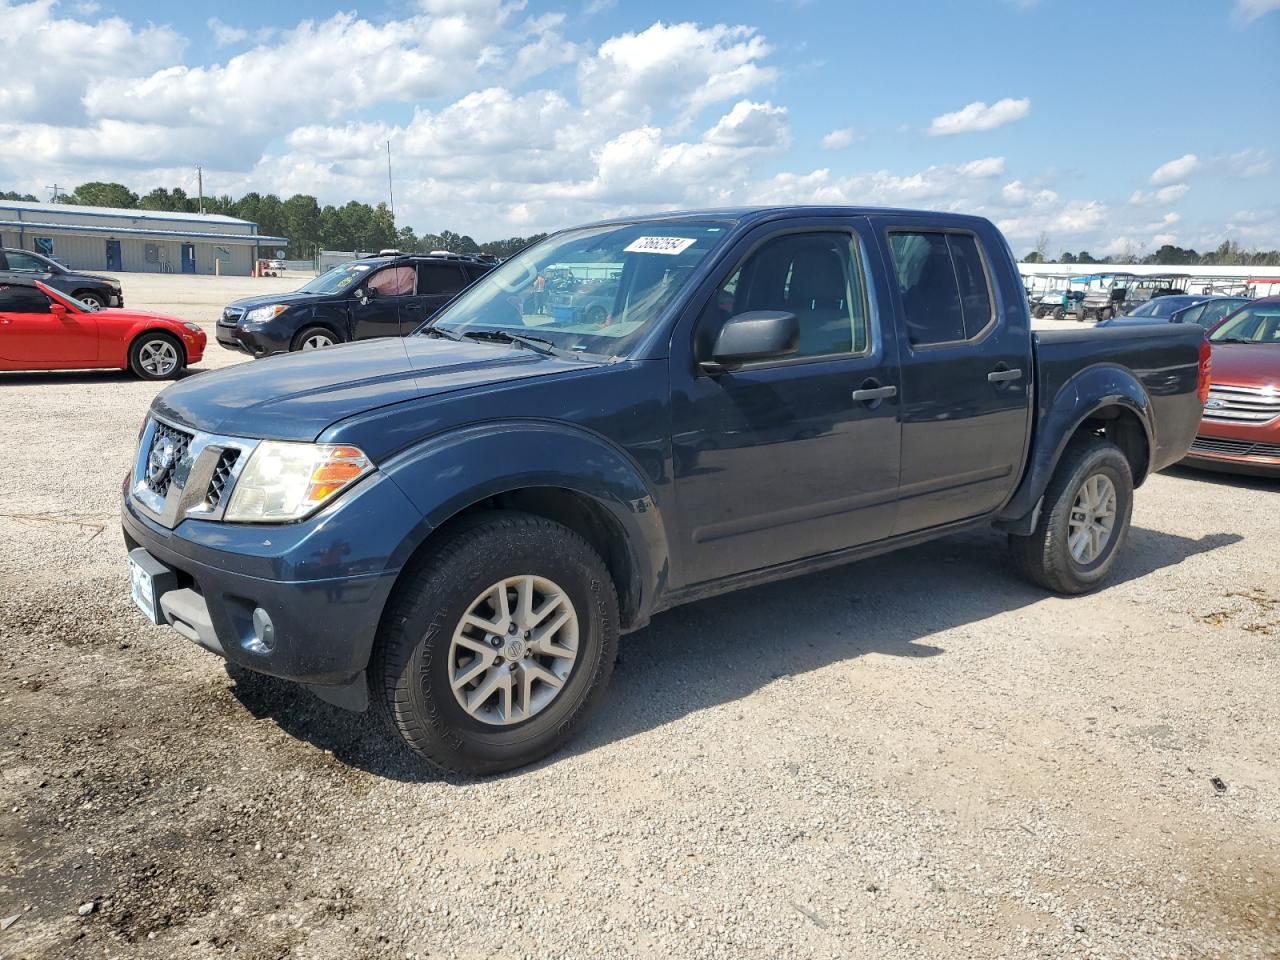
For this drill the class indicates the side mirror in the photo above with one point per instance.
(58, 310)
(754, 335)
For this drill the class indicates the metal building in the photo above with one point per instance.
(146, 241)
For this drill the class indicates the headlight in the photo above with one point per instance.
(258, 314)
(287, 481)
(193, 327)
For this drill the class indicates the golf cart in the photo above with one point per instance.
(1100, 297)
(1150, 286)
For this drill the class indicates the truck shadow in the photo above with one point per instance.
(1225, 478)
(720, 650)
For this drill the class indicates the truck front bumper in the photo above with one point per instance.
(299, 601)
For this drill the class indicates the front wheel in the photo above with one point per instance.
(1083, 521)
(497, 646)
(314, 338)
(156, 356)
(1059, 313)
(92, 300)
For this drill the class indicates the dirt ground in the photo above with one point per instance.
(918, 755)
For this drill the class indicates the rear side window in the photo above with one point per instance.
(943, 284)
(440, 278)
(474, 271)
(25, 263)
(22, 299)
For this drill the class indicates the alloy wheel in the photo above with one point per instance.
(158, 357)
(1093, 515)
(513, 650)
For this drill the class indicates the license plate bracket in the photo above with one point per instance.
(149, 580)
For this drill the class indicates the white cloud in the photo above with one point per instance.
(839, 139)
(1250, 163)
(1016, 193)
(1169, 194)
(681, 67)
(979, 116)
(1250, 10)
(980, 169)
(1175, 170)
(224, 33)
(751, 124)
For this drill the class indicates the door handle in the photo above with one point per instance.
(1003, 376)
(875, 393)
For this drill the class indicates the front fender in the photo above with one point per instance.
(1080, 397)
(453, 471)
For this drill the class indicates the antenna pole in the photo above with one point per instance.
(200, 185)
(390, 192)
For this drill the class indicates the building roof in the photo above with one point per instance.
(116, 230)
(169, 215)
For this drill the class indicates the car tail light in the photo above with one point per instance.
(1206, 370)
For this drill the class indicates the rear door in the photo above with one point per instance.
(438, 283)
(385, 291)
(31, 335)
(966, 369)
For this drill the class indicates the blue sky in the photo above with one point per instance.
(1106, 126)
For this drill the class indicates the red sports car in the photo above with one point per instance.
(42, 329)
(1240, 430)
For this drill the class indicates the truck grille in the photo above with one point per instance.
(1241, 404)
(221, 476)
(168, 449)
(230, 316)
(1234, 448)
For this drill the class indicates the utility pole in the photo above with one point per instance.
(55, 189)
(390, 192)
(200, 185)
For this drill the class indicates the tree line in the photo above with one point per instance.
(308, 225)
(1226, 254)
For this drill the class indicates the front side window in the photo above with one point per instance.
(22, 299)
(25, 263)
(340, 278)
(393, 282)
(1215, 311)
(813, 275)
(594, 290)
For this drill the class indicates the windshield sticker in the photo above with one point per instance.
(667, 245)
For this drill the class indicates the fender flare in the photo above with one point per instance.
(448, 473)
(1083, 396)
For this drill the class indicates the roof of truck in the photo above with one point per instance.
(769, 212)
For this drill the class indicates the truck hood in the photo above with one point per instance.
(1246, 364)
(78, 276)
(296, 396)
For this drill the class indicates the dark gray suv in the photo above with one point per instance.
(93, 290)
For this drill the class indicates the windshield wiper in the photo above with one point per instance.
(1234, 340)
(536, 344)
(442, 332)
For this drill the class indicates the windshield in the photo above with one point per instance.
(1259, 324)
(595, 290)
(337, 279)
(1161, 307)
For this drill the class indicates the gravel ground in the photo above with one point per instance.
(918, 755)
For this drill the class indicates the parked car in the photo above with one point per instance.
(383, 296)
(275, 264)
(1209, 313)
(44, 329)
(1160, 310)
(459, 524)
(91, 289)
(1241, 426)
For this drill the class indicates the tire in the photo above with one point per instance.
(1046, 557)
(156, 356)
(1059, 313)
(91, 299)
(311, 337)
(1038, 313)
(417, 653)
(1106, 313)
(596, 315)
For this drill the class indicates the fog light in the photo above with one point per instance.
(264, 633)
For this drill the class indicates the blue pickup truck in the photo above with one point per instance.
(456, 526)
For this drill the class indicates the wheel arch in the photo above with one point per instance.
(1103, 400)
(142, 331)
(566, 475)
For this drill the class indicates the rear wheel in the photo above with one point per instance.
(1106, 313)
(1059, 313)
(91, 299)
(1083, 521)
(498, 645)
(315, 338)
(1038, 313)
(156, 356)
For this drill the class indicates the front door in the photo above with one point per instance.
(375, 306)
(31, 335)
(779, 460)
(188, 258)
(113, 256)
(966, 371)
